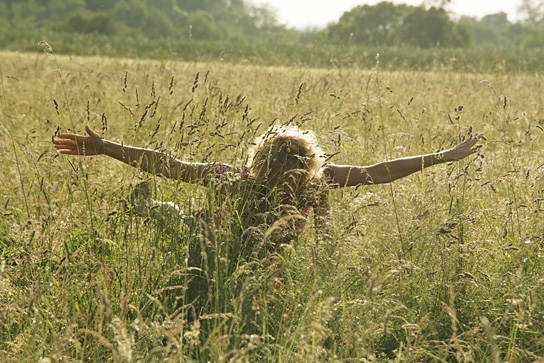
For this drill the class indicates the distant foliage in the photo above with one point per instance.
(215, 20)
(383, 24)
(369, 25)
(428, 28)
(389, 24)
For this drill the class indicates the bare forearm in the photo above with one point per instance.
(389, 171)
(155, 162)
(384, 172)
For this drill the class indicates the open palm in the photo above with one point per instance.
(72, 144)
(463, 150)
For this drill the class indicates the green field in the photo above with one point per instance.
(446, 265)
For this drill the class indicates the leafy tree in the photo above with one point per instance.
(427, 28)
(23, 14)
(498, 22)
(54, 11)
(163, 5)
(90, 23)
(156, 24)
(535, 39)
(195, 5)
(369, 25)
(492, 29)
(198, 19)
(520, 35)
(261, 17)
(132, 13)
(4, 21)
(101, 5)
(436, 3)
(240, 20)
(203, 26)
(532, 11)
(390, 24)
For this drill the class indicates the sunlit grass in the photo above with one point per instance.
(445, 265)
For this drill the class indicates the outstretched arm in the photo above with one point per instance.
(151, 161)
(388, 171)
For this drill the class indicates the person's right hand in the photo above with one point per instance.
(73, 144)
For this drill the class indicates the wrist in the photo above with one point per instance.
(441, 157)
(108, 147)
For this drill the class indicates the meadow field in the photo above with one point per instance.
(446, 265)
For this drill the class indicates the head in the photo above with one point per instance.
(285, 154)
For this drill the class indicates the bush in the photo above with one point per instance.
(89, 23)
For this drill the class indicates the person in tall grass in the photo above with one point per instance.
(286, 176)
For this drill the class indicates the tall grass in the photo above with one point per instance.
(446, 265)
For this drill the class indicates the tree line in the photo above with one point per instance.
(240, 21)
(387, 24)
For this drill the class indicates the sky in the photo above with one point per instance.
(318, 13)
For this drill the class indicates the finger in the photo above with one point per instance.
(67, 136)
(68, 152)
(468, 143)
(61, 147)
(64, 142)
(91, 132)
(479, 136)
(67, 147)
(475, 148)
(475, 138)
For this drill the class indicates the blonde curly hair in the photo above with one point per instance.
(283, 149)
